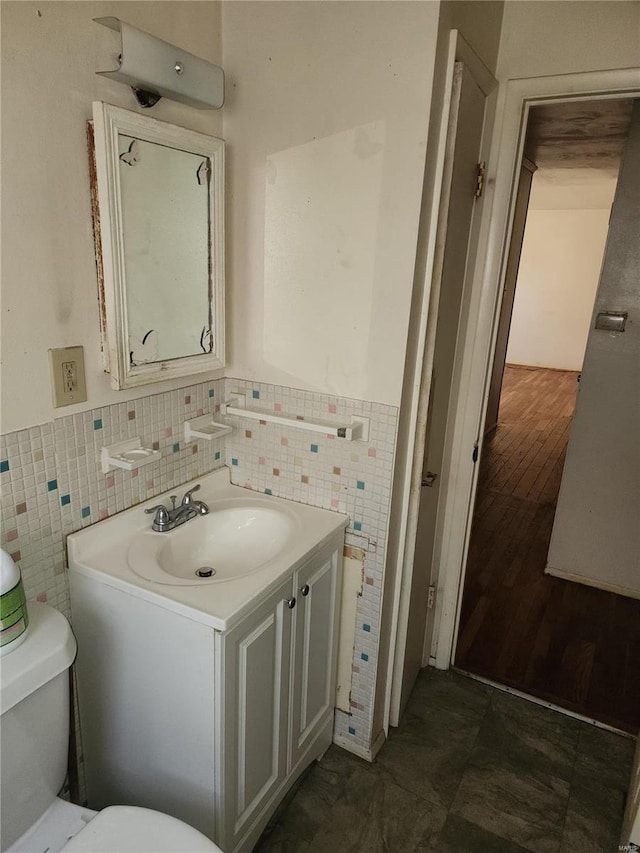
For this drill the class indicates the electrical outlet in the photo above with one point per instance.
(67, 376)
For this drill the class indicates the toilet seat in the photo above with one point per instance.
(129, 829)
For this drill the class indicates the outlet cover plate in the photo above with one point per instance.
(68, 383)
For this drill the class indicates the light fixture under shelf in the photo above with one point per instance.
(158, 69)
(128, 454)
(205, 428)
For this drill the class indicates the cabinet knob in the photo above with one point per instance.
(290, 602)
(305, 589)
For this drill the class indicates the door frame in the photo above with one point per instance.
(425, 316)
(515, 98)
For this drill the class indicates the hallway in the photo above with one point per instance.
(563, 642)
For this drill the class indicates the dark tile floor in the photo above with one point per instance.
(470, 769)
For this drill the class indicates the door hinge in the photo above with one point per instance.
(474, 455)
(480, 176)
(431, 597)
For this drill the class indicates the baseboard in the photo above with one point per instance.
(585, 581)
(368, 753)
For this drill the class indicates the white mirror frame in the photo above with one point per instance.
(108, 122)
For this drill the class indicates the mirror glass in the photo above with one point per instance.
(158, 196)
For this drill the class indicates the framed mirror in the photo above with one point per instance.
(158, 206)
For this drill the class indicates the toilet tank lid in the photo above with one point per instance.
(49, 649)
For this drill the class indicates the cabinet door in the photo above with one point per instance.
(314, 650)
(256, 666)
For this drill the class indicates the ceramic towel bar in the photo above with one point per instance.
(356, 430)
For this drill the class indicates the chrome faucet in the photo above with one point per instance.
(167, 519)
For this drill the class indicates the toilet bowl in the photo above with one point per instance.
(34, 730)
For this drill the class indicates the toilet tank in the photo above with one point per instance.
(34, 721)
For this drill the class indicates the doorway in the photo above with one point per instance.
(556, 640)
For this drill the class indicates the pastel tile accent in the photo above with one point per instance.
(332, 408)
(176, 447)
(21, 508)
(65, 453)
(255, 394)
(371, 452)
(360, 485)
(42, 597)
(85, 512)
(65, 500)
(276, 472)
(16, 556)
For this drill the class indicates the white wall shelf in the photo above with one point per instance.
(204, 428)
(356, 430)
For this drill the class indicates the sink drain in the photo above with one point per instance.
(205, 572)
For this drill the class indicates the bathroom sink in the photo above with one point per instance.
(237, 537)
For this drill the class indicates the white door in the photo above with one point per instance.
(455, 235)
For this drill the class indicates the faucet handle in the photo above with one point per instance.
(162, 515)
(187, 499)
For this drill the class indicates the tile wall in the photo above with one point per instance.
(52, 484)
(352, 477)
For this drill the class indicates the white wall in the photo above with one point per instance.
(326, 125)
(557, 280)
(545, 37)
(50, 53)
(596, 537)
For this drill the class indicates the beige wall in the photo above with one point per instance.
(542, 37)
(557, 281)
(326, 126)
(50, 52)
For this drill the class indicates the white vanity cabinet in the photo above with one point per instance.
(279, 669)
(211, 726)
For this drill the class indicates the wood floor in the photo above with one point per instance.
(564, 642)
